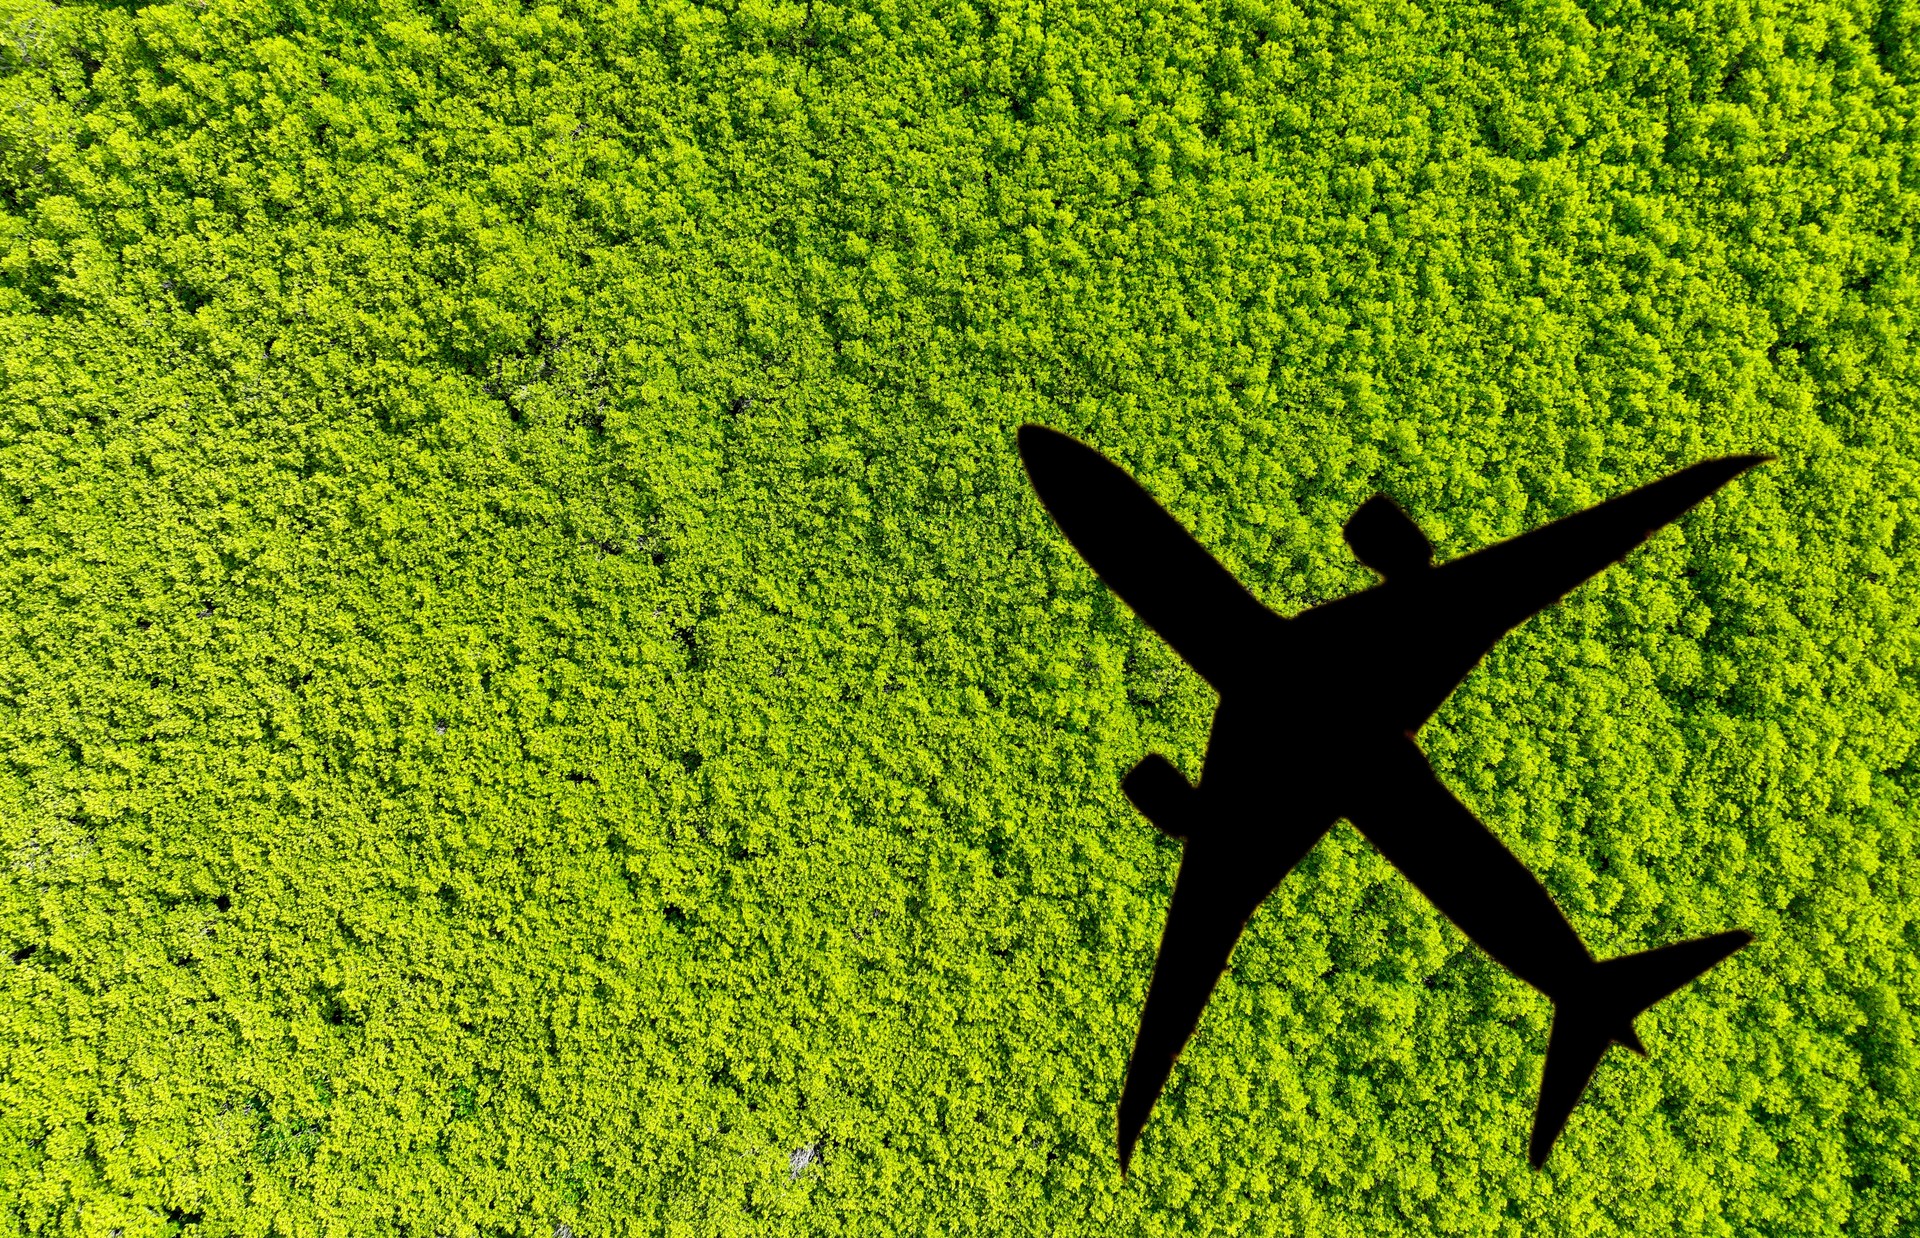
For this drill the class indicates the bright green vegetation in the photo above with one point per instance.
(532, 685)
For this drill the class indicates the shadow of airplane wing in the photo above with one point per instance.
(1219, 888)
(1492, 591)
(1146, 556)
(1211, 905)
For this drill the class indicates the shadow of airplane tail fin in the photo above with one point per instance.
(1161, 793)
(1584, 1024)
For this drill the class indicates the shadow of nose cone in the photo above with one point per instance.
(1043, 451)
(1386, 539)
(1073, 481)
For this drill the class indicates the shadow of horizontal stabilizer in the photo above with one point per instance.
(1585, 1023)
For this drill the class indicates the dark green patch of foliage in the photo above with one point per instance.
(533, 687)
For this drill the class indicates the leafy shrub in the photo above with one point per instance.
(535, 689)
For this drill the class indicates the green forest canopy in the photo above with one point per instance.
(537, 699)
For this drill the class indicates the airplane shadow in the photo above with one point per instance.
(1316, 722)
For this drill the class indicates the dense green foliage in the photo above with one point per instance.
(533, 688)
